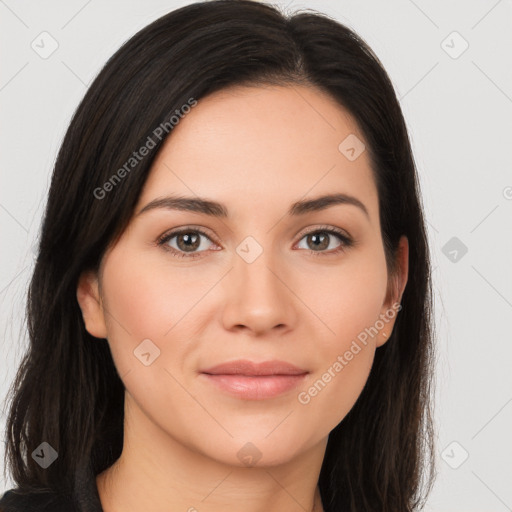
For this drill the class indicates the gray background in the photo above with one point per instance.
(458, 109)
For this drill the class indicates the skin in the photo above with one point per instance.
(257, 150)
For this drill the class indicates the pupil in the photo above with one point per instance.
(322, 244)
(187, 238)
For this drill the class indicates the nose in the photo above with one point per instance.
(259, 297)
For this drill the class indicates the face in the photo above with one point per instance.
(267, 275)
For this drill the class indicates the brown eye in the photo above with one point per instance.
(318, 241)
(185, 242)
(323, 241)
(188, 241)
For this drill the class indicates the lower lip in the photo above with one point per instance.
(257, 387)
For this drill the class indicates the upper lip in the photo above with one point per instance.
(245, 367)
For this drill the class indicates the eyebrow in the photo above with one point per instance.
(216, 209)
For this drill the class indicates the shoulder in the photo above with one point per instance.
(17, 500)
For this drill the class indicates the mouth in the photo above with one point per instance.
(255, 381)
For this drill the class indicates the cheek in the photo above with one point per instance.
(347, 299)
(332, 392)
(147, 299)
(140, 305)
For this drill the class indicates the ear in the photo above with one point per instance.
(89, 299)
(396, 287)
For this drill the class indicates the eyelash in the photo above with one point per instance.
(346, 242)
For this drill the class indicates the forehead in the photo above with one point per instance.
(260, 146)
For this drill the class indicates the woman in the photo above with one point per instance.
(231, 305)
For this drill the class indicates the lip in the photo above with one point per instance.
(255, 381)
(249, 368)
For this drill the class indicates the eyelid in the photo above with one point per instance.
(324, 227)
(168, 235)
(184, 229)
(345, 239)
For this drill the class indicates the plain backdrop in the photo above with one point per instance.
(450, 65)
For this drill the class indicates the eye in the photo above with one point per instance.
(190, 242)
(321, 239)
(185, 242)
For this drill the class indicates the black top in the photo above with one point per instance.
(85, 499)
